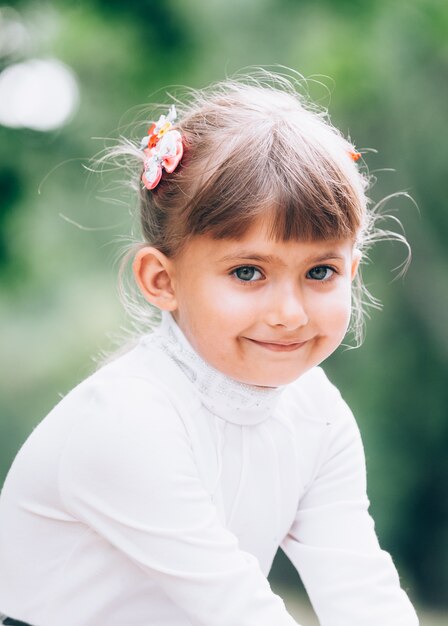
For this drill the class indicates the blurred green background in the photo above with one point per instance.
(383, 65)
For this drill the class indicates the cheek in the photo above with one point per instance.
(209, 309)
(334, 312)
(223, 304)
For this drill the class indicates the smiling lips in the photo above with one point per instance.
(279, 346)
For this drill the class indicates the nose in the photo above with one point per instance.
(287, 309)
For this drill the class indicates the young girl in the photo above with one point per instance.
(158, 491)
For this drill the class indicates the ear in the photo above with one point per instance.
(356, 259)
(153, 274)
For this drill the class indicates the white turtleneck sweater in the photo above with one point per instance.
(157, 492)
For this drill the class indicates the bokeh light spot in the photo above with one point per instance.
(41, 94)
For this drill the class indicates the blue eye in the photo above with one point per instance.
(247, 273)
(321, 273)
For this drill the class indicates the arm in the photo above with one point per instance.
(332, 541)
(128, 472)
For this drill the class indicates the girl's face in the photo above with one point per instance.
(264, 312)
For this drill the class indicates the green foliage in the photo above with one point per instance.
(380, 67)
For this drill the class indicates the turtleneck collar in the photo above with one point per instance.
(223, 396)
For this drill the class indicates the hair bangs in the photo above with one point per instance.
(298, 199)
(310, 213)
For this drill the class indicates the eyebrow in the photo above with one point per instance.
(246, 255)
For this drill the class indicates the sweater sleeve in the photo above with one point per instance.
(332, 541)
(128, 472)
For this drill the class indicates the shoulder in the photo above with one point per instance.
(139, 389)
(326, 429)
(314, 402)
(124, 423)
(141, 374)
(314, 397)
(321, 424)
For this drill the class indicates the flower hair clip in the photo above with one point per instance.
(163, 149)
(354, 155)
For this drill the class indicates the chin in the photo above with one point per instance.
(273, 380)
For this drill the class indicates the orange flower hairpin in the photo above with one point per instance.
(163, 149)
(354, 155)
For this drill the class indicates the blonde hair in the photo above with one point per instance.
(254, 146)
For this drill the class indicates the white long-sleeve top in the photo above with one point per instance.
(157, 492)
